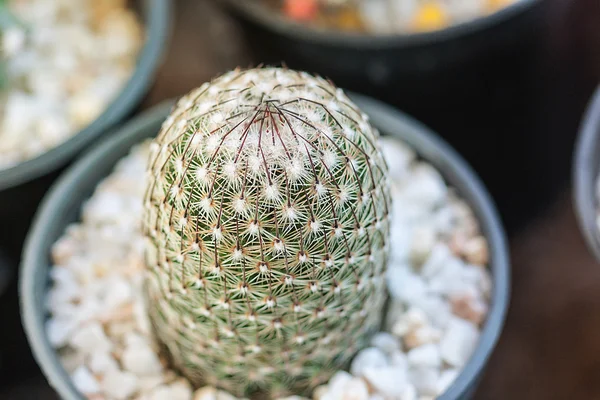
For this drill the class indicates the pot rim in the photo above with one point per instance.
(283, 26)
(585, 174)
(75, 180)
(157, 16)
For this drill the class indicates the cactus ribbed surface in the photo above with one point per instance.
(267, 219)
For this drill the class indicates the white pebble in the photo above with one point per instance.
(119, 292)
(90, 338)
(412, 319)
(59, 330)
(458, 342)
(101, 362)
(386, 342)
(179, 390)
(370, 357)
(422, 242)
(84, 381)
(427, 355)
(404, 285)
(446, 379)
(119, 385)
(439, 256)
(210, 393)
(141, 359)
(425, 380)
(388, 381)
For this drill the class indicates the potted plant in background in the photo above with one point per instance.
(71, 70)
(274, 230)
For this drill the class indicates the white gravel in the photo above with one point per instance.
(64, 66)
(437, 278)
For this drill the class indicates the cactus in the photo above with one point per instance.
(266, 216)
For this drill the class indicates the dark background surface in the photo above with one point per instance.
(525, 102)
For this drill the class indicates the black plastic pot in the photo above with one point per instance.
(586, 171)
(62, 204)
(377, 63)
(23, 186)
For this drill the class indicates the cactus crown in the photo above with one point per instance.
(267, 218)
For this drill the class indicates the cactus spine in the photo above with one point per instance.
(266, 214)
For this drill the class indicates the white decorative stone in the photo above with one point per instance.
(90, 338)
(405, 285)
(412, 319)
(386, 342)
(422, 242)
(59, 330)
(425, 380)
(388, 381)
(427, 355)
(179, 390)
(84, 381)
(446, 379)
(141, 359)
(367, 358)
(119, 385)
(458, 342)
(100, 362)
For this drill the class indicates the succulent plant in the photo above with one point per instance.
(266, 215)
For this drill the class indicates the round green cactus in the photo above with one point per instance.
(266, 214)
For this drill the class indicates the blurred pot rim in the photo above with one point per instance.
(156, 18)
(286, 27)
(585, 174)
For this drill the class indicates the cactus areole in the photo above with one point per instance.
(266, 215)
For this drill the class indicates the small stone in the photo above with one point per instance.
(409, 393)
(445, 380)
(413, 318)
(421, 336)
(293, 398)
(59, 330)
(119, 385)
(398, 359)
(427, 355)
(388, 381)
(141, 359)
(84, 381)
(179, 390)
(13, 40)
(476, 251)
(436, 309)
(338, 382)
(458, 342)
(148, 383)
(440, 255)
(320, 393)
(398, 156)
(101, 362)
(119, 292)
(425, 380)
(90, 338)
(405, 285)
(422, 242)
(71, 359)
(385, 342)
(469, 307)
(425, 187)
(210, 393)
(370, 357)
(356, 389)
